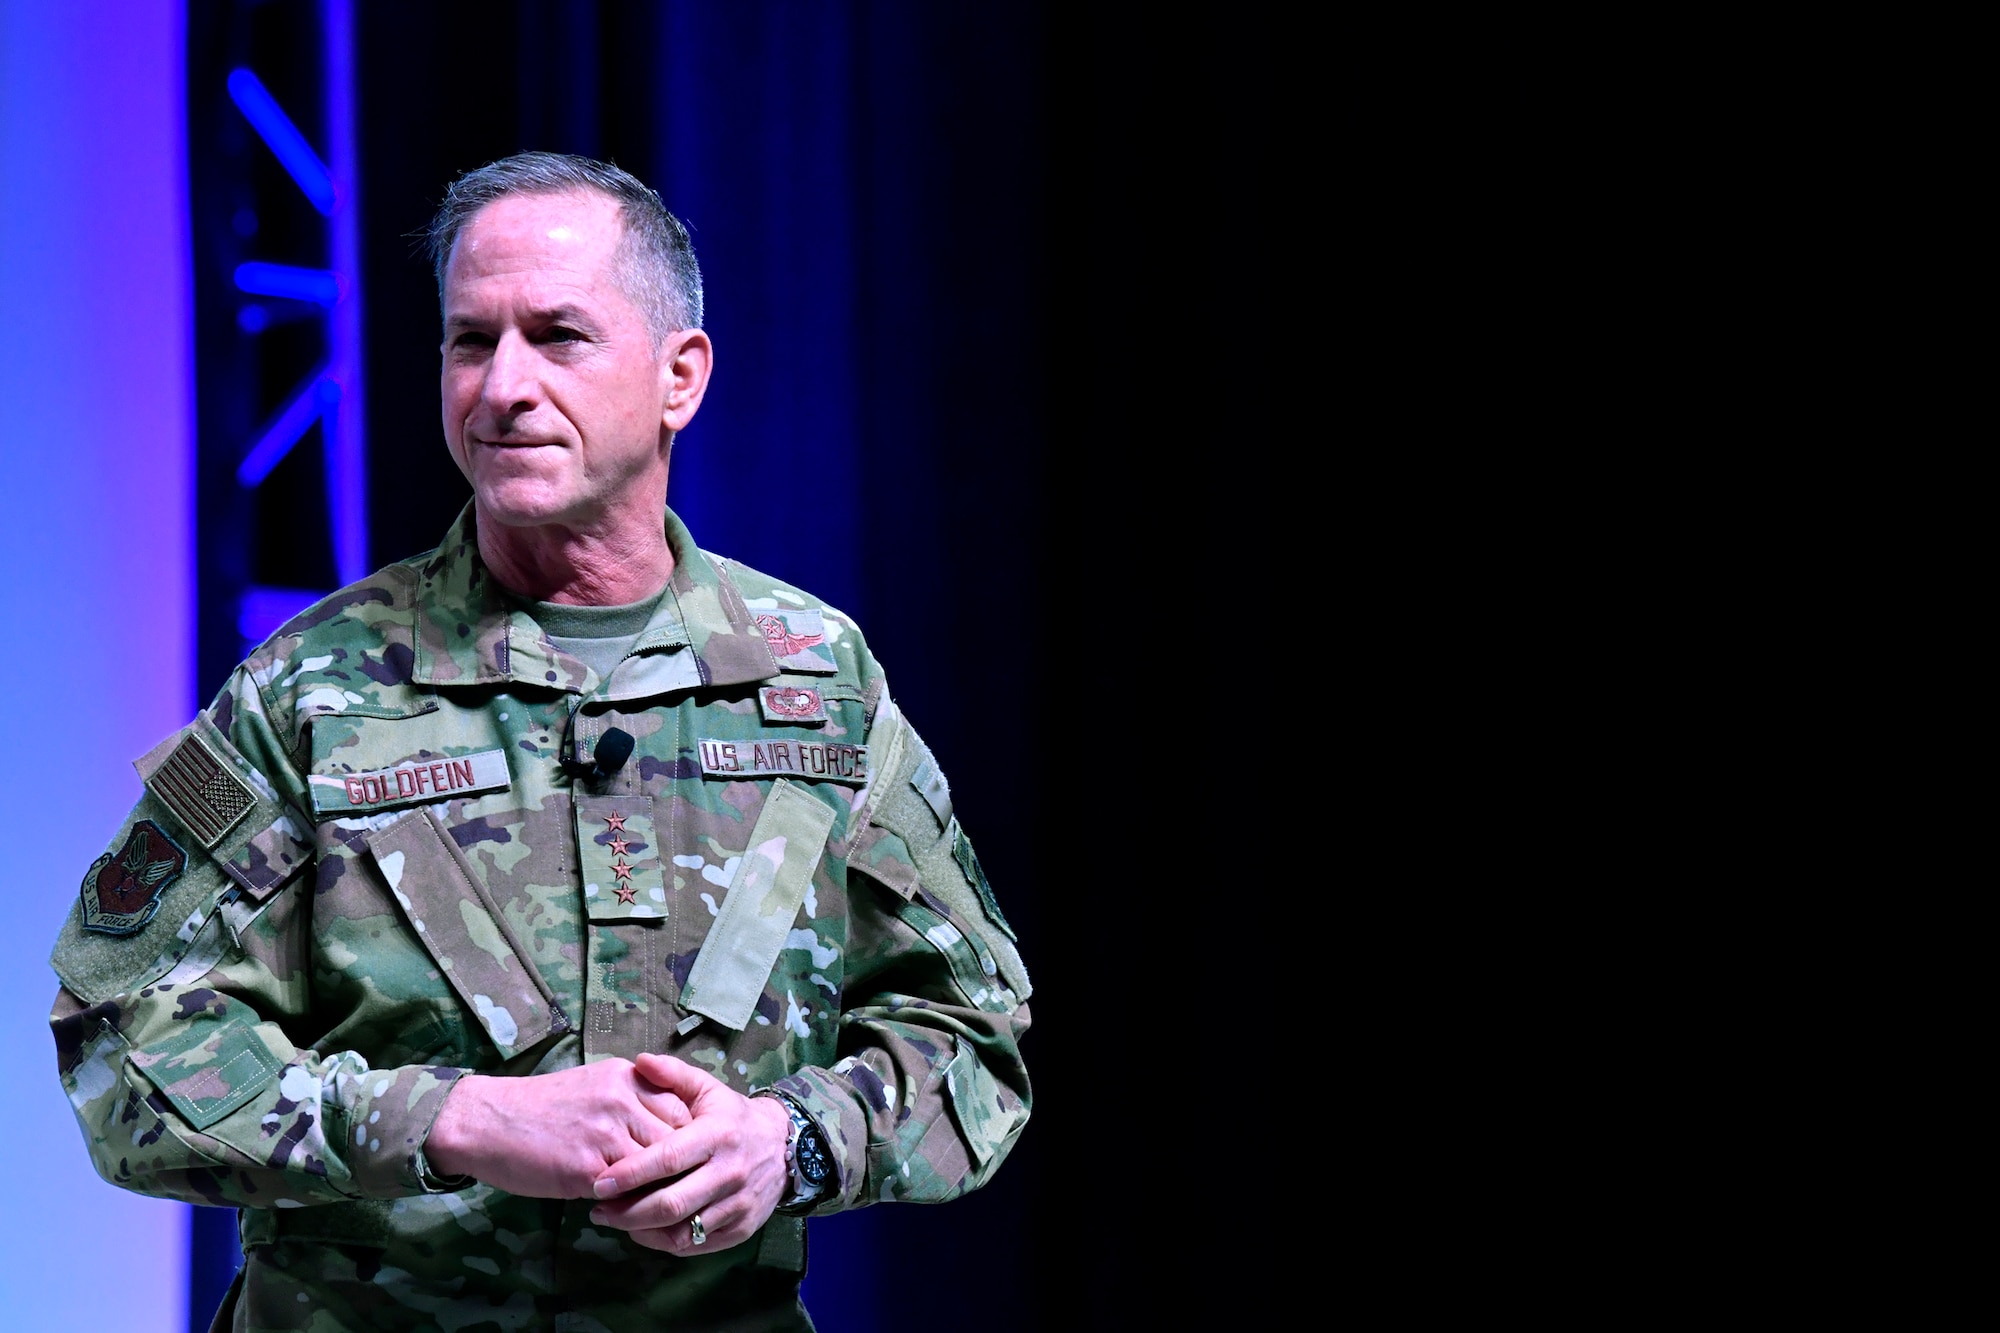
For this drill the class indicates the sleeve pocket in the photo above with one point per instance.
(210, 1070)
(913, 840)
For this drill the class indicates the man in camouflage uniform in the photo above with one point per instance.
(531, 935)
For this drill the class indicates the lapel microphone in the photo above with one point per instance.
(614, 747)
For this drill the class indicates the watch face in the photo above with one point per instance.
(812, 1158)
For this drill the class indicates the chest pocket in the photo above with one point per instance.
(465, 932)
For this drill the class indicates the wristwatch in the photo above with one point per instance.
(805, 1157)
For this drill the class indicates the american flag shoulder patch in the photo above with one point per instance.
(201, 789)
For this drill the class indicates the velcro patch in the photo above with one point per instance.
(975, 874)
(813, 761)
(760, 908)
(791, 703)
(427, 779)
(798, 641)
(201, 790)
(121, 892)
(619, 855)
(930, 784)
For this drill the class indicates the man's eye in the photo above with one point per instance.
(560, 334)
(469, 339)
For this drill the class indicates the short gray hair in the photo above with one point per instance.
(656, 264)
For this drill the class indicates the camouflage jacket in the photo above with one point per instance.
(366, 870)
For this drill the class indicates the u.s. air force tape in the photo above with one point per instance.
(425, 779)
(814, 761)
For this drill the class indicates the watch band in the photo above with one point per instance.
(805, 1156)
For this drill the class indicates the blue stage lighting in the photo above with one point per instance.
(276, 128)
(317, 285)
(319, 393)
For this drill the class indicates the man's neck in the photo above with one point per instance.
(580, 567)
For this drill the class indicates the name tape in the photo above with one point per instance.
(414, 779)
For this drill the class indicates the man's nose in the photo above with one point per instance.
(513, 385)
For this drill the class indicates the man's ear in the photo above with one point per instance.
(685, 360)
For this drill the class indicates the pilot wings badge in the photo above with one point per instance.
(798, 640)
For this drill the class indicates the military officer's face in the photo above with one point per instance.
(555, 399)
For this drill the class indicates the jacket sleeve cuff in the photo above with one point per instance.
(388, 1124)
(830, 1104)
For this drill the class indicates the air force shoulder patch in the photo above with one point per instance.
(121, 890)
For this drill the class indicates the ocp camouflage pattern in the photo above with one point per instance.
(379, 923)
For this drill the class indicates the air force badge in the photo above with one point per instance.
(791, 703)
(798, 640)
(122, 891)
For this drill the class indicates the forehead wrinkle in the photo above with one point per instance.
(562, 312)
(565, 313)
(577, 269)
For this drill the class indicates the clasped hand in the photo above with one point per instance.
(655, 1141)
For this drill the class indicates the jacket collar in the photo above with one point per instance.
(468, 633)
